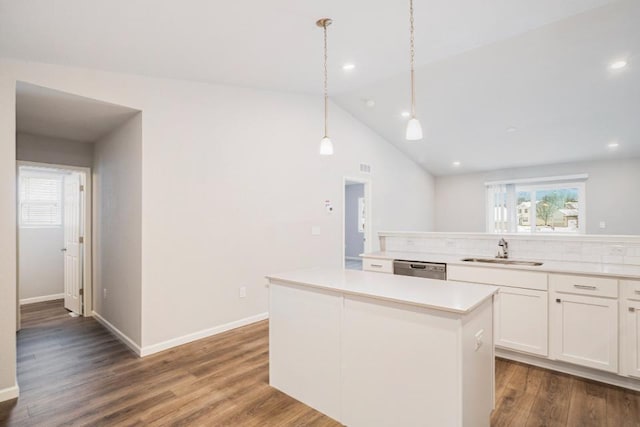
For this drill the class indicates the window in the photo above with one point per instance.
(40, 198)
(543, 205)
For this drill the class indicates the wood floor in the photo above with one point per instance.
(71, 371)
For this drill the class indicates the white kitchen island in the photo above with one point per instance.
(371, 349)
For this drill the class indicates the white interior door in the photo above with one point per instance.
(72, 244)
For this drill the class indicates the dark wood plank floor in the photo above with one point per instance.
(71, 371)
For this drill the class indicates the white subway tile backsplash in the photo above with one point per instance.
(633, 260)
(538, 248)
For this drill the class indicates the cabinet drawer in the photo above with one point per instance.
(379, 265)
(498, 276)
(584, 285)
(630, 289)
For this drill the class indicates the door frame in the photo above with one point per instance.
(87, 246)
(368, 229)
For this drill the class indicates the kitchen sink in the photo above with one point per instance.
(503, 261)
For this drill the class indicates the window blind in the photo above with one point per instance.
(40, 199)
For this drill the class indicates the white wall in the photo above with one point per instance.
(219, 168)
(117, 228)
(8, 294)
(36, 148)
(41, 264)
(611, 195)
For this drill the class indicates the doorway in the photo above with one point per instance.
(54, 239)
(357, 220)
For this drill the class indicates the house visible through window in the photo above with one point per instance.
(40, 198)
(544, 205)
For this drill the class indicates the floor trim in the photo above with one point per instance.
(118, 333)
(174, 342)
(571, 369)
(43, 298)
(9, 393)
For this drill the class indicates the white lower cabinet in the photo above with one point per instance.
(520, 322)
(584, 330)
(630, 328)
(521, 306)
(631, 338)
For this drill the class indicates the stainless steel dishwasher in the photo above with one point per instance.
(429, 270)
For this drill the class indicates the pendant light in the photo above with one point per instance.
(414, 129)
(326, 146)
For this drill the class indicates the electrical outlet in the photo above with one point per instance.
(104, 293)
(243, 291)
(315, 230)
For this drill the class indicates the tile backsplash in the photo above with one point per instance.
(596, 249)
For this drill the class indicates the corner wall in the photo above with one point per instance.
(117, 233)
(231, 185)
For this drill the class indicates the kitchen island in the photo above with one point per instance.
(371, 349)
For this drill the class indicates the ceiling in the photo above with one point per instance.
(539, 66)
(546, 96)
(47, 112)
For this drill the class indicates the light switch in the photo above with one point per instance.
(315, 230)
(603, 224)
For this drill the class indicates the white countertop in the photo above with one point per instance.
(598, 269)
(456, 297)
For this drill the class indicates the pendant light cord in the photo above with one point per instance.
(326, 90)
(412, 55)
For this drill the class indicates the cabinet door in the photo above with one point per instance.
(631, 337)
(521, 320)
(584, 330)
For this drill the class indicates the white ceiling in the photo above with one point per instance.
(271, 44)
(47, 112)
(552, 85)
(537, 65)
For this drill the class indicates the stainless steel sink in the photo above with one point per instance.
(503, 261)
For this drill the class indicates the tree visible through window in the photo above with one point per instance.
(556, 207)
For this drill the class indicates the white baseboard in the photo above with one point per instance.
(43, 298)
(155, 348)
(9, 393)
(568, 368)
(118, 334)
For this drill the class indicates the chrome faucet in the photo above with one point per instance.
(503, 249)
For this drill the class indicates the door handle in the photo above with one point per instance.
(589, 288)
(63, 250)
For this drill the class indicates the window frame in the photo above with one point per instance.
(34, 173)
(510, 190)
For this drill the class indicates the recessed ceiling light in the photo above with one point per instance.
(613, 145)
(456, 163)
(511, 129)
(370, 103)
(348, 67)
(618, 64)
(405, 114)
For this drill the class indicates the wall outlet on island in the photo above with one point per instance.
(242, 292)
(104, 293)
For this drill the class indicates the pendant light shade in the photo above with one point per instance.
(326, 146)
(414, 129)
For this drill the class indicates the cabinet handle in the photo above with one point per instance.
(589, 288)
(558, 300)
(637, 292)
(376, 265)
(632, 309)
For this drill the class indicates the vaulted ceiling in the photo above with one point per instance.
(538, 66)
